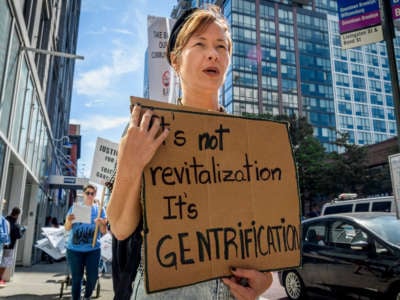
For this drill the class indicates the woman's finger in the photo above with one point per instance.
(135, 116)
(145, 122)
(238, 291)
(154, 125)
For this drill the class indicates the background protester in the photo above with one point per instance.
(16, 232)
(81, 254)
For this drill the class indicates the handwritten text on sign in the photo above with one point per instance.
(220, 192)
(104, 161)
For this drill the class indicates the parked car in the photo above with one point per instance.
(354, 255)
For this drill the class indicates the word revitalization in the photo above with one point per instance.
(225, 243)
(194, 172)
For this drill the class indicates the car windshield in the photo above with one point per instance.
(387, 228)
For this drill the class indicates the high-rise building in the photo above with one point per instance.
(35, 100)
(287, 60)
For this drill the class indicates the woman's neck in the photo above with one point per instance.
(88, 202)
(200, 100)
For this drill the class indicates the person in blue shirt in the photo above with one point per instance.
(81, 254)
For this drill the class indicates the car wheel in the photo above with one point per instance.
(294, 286)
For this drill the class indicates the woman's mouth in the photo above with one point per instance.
(211, 71)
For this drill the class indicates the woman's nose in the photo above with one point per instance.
(212, 55)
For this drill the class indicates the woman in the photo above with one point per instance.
(199, 50)
(80, 252)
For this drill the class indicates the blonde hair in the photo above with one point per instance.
(198, 21)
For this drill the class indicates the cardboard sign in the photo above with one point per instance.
(220, 192)
(104, 161)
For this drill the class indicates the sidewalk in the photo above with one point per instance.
(43, 281)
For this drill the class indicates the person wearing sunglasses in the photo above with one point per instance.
(81, 254)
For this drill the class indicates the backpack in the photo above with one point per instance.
(4, 231)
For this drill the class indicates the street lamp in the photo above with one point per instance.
(53, 53)
(67, 143)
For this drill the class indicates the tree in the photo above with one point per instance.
(346, 172)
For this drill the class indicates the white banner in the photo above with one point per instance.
(163, 82)
(104, 161)
(56, 236)
(106, 246)
(45, 245)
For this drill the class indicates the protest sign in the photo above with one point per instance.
(220, 192)
(104, 161)
(82, 213)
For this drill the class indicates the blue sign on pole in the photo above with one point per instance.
(395, 9)
(359, 22)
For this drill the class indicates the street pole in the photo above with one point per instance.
(388, 34)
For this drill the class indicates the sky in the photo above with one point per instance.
(112, 38)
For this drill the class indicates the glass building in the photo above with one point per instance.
(287, 60)
(35, 100)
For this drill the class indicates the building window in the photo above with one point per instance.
(376, 99)
(5, 23)
(2, 156)
(377, 113)
(345, 108)
(363, 124)
(341, 67)
(9, 81)
(358, 83)
(379, 125)
(19, 104)
(343, 94)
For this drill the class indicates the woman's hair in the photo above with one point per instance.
(89, 186)
(192, 21)
(54, 221)
(15, 211)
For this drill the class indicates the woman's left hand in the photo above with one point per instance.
(257, 283)
(102, 223)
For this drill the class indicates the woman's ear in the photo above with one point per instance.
(174, 62)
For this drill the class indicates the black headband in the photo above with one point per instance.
(176, 29)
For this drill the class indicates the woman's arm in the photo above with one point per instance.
(136, 150)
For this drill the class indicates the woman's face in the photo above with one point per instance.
(204, 60)
(90, 194)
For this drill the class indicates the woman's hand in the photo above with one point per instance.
(141, 140)
(102, 223)
(70, 218)
(68, 221)
(257, 283)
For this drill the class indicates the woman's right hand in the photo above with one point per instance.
(136, 149)
(70, 218)
(141, 140)
(68, 222)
